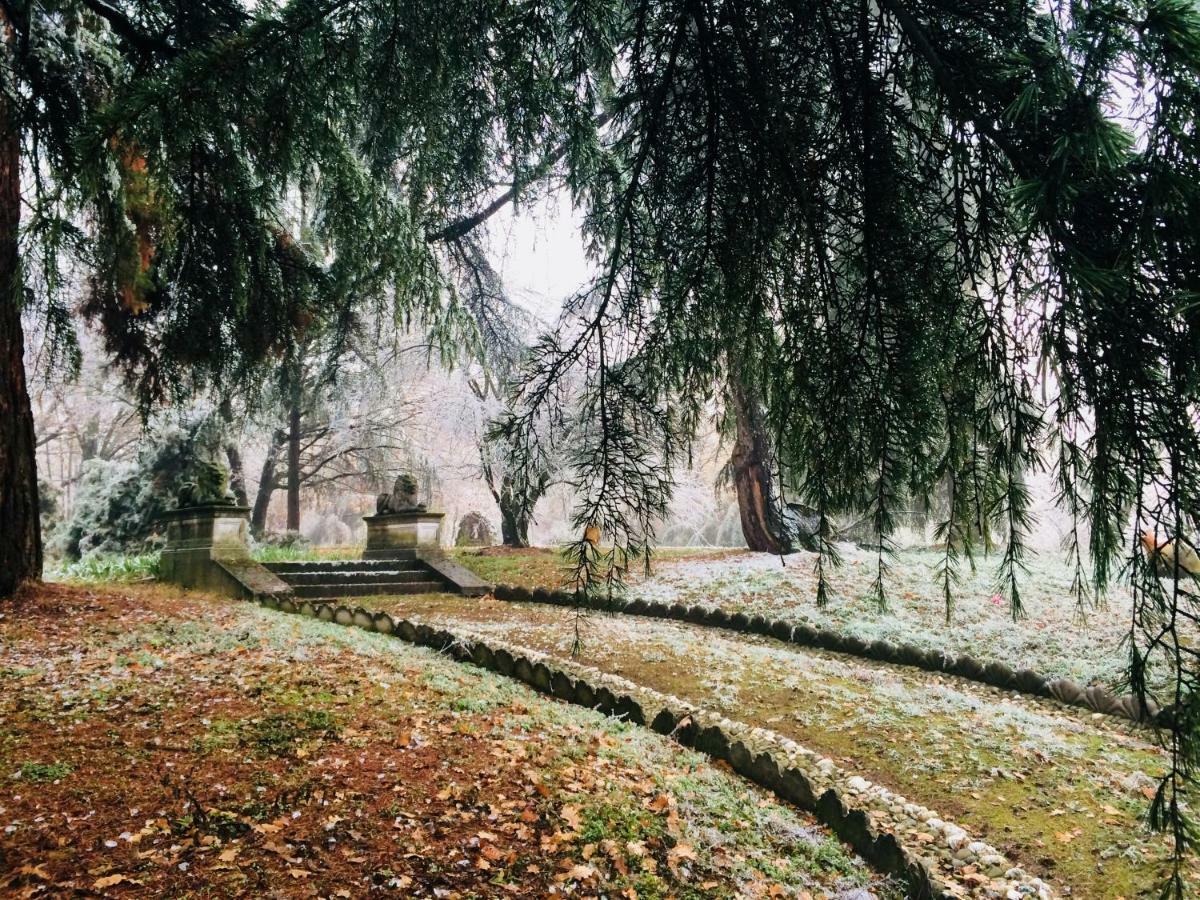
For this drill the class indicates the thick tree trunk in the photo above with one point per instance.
(514, 524)
(267, 482)
(20, 523)
(237, 473)
(233, 455)
(293, 470)
(753, 465)
(514, 528)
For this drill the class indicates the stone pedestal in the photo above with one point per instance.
(399, 534)
(207, 549)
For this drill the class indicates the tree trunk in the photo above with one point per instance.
(20, 523)
(267, 482)
(233, 455)
(293, 470)
(237, 473)
(753, 465)
(514, 525)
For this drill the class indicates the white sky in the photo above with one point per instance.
(539, 253)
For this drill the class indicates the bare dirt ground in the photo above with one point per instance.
(159, 744)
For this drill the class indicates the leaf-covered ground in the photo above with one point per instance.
(159, 744)
(1055, 637)
(1060, 791)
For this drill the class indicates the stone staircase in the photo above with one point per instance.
(405, 573)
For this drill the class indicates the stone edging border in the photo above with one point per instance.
(1096, 698)
(751, 752)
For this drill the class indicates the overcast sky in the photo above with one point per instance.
(539, 254)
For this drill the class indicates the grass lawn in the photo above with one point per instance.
(1061, 792)
(534, 567)
(1054, 637)
(159, 744)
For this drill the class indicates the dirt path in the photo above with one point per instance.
(1060, 791)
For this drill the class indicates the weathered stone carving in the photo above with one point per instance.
(402, 499)
(209, 485)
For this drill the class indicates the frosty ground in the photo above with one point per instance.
(154, 743)
(1056, 637)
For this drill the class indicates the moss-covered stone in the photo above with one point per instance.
(482, 656)
(740, 758)
(563, 687)
(630, 710)
(384, 623)
(523, 669)
(795, 787)
(781, 630)
(713, 741)
(718, 618)
(504, 662)
(343, 615)
(831, 809)
(542, 678)
(664, 722)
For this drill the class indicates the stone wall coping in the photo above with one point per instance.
(411, 516)
(216, 510)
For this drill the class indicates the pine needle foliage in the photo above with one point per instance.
(954, 242)
(947, 240)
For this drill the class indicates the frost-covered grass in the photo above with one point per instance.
(106, 568)
(1054, 637)
(371, 761)
(267, 553)
(1064, 794)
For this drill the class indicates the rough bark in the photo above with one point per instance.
(753, 467)
(267, 483)
(514, 523)
(20, 523)
(293, 469)
(237, 473)
(233, 455)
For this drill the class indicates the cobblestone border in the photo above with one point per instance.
(936, 859)
(1096, 698)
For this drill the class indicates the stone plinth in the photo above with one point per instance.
(396, 534)
(207, 549)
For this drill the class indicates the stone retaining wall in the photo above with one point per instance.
(857, 811)
(997, 674)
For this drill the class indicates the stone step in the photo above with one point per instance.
(358, 589)
(346, 565)
(368, 576)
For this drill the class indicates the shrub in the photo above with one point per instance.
(119, 502)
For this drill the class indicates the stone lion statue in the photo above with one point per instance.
(403, 497)
(209, 484)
